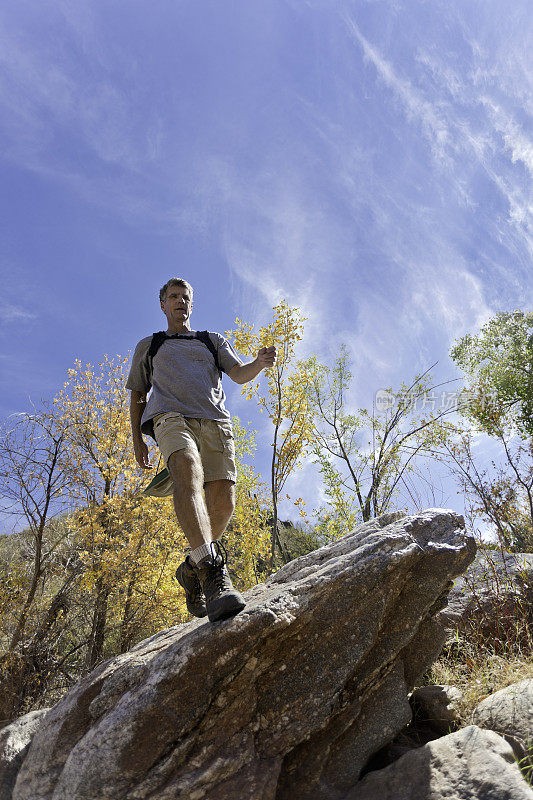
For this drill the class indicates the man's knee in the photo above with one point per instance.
(229, 497)
(185, 468)
(220, 495)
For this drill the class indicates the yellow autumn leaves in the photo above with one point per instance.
(287, 399)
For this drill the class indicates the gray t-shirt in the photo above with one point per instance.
(185, 378)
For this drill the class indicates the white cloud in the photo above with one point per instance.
(449, 294)
(481, 127)
(67, 115)
(277, 237)
(413, 103)
(516, 140)
(10, 313)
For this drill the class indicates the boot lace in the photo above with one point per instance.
(219, 579)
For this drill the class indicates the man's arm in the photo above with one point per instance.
(137, 406)
(242, 373)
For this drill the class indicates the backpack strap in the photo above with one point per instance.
(161, 336)
(206, 339)
(157, 340)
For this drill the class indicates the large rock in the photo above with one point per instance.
(287, 700)
(470, 764)
(509, 712)
(436, 706)
(14, 744)
(496, 583)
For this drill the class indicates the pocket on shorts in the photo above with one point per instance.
(226, 435)
(225, 439)
(162, 418)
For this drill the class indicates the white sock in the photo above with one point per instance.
(199, 553)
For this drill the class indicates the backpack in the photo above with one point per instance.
(157, 340)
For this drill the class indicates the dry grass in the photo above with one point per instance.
(494, 647)
(479, 672)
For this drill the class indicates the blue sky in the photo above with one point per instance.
(368, 161)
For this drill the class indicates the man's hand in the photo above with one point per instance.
(266, 357)
(141, 454)
(242, 373)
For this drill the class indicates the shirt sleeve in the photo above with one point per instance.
(227, 357)
(139, 378)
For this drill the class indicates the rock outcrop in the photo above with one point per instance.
(15, 741)
(470, 764)
(436, 706)
(509, 712)
(494, 580)
(287, 700)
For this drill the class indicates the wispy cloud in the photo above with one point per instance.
(11, 313)
(69, 115)
(415, 106)
(453, 120)
(484, 133)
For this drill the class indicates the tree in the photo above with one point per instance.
(101, 576)
(122, 539)
(286, 399)
(248, 534)
(33, 484)
(94, 572)
(93, 409)
(33, 487)
(365, 457)
(500, 493)
(498, 363)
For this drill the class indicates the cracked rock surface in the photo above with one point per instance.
(287, 700)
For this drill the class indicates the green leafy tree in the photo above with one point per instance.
(498, 363)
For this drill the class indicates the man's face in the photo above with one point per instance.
(177, 305)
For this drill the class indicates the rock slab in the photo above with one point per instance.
(494, 583)
(15, 742)
(471, 764)
(287, 700)
(437, 706)
(509, 712)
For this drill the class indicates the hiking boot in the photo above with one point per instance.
(187, 576)
(221, 599)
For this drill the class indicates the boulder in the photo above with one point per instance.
(288, 699)
(14, 744)
(509, 712)
(494, 581)
(470, 764)
(434, 715)
(436, 706)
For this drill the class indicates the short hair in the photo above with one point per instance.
(174, 282)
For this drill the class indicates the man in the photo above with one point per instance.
(185, 413)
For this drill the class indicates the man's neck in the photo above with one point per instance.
(182, 329)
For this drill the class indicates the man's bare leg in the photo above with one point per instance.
(208, 587)
(187, 474)
(220, 502)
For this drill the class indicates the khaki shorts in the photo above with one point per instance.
(213, 440)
